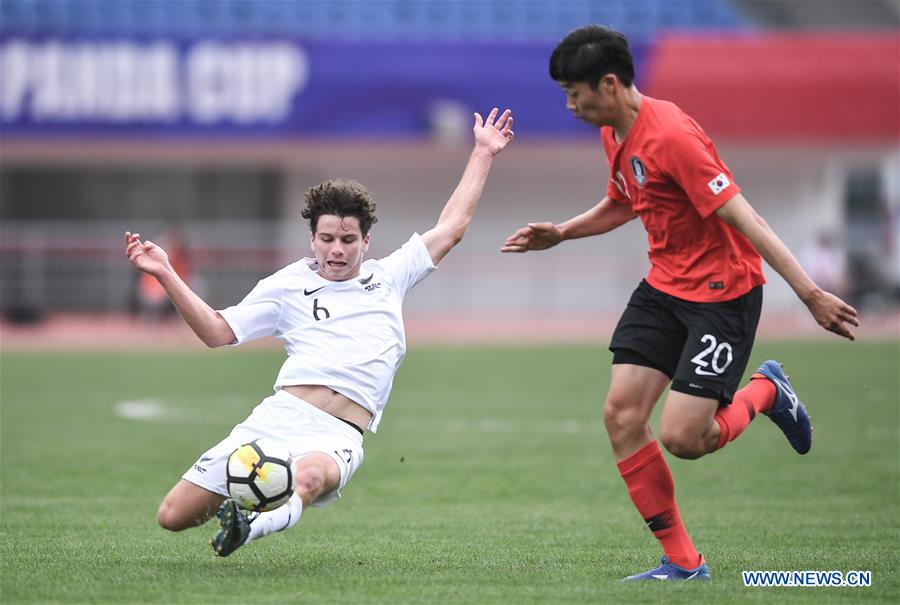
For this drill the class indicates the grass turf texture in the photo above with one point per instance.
(490, 482)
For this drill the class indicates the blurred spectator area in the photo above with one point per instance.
(361, 19)
(429, 19)
(214, 117)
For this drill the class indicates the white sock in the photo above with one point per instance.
(280, 519)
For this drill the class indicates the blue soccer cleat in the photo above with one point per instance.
(787, 412)
(667, 572)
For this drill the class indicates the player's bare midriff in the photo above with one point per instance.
(332, 402)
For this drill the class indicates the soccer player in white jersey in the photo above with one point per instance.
(340, 318)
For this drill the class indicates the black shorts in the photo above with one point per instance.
(702, 347)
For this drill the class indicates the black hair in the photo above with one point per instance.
(588, 53)
(343, 198)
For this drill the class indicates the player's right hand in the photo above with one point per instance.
(534, 236)
(145, 256)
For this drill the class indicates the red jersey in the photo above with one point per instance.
(667, 170)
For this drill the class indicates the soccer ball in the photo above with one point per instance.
(259, 475)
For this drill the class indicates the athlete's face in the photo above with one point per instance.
(596, 107)
(339, 246)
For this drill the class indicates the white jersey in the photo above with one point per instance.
(346, 335)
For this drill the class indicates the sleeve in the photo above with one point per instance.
(258, 314)
(409, 264)
(692, 162)
(614, 193)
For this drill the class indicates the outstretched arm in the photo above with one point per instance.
(605, 216)
(206, 323)
(829, 311)
(491, 137)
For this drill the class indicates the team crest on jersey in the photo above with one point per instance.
(639, 171)
(369, 287)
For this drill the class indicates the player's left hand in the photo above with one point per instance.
(534, 236)
(832, 313)
(494, 133)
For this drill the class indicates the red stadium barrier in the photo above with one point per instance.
(840, 86)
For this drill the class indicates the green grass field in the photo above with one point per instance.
(491, 481)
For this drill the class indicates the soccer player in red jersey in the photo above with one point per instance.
(692, 321)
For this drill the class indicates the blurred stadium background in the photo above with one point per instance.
(202, 122)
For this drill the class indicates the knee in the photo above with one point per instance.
(622, 418)
(309, 483)
(681, 443)
(168, 518)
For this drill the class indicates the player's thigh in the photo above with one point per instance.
(187, 505)
(685, 420)
(649, 334)
(718, 346)
(633, 391)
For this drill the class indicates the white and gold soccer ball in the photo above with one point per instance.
(259, 475)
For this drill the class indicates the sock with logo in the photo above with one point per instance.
(652, 490)
(755, 398)
(280, 519)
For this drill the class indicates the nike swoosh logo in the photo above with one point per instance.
(366, 280)
(692, 576)
(308, 292)
(704, 372)
(661, 576)
(205, 459)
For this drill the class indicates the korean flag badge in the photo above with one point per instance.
(719, 184)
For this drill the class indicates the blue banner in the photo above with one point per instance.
(273, 88)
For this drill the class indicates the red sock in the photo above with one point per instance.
(757, 397)
(651, 489)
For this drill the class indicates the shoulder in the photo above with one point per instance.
(680, 138)
(381, 267)
(672, 124)
(370, 266)
(409, 263)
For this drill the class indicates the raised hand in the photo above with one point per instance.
(494, 134)
(534, 236)
(833, 314)
(145, 256)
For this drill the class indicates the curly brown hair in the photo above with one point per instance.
(340, 197)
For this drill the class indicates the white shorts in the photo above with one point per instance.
(302, 428)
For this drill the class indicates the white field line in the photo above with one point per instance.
(147, 410)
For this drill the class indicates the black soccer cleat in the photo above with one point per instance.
(234, 527)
